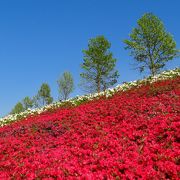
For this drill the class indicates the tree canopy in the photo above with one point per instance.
(18, 108)
(150, 44)
(44, 95)
(65, 85)
(27, 102)
(98, 65)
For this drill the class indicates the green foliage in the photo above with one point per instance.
(98, 65)
(27, 103)
(18, 108)
(22, 106)
(66, 85)
(150, 44)
(44, 96)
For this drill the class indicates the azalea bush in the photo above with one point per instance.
(133, 134)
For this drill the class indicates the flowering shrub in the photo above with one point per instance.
(131, 135)
(89, 97)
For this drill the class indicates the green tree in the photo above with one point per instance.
(27, 103)
(98, 65)
(65, 85)
(44, 95)
(17, 108)
(150, 44)
(36, 101)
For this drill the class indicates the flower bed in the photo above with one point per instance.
(131, 135)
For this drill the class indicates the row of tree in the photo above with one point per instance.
(149, 44)
(43, 97)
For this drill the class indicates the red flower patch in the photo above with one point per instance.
(132, 135)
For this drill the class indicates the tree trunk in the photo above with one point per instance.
(153, 72)
(152, 66)
(98, 85)
(98, 80)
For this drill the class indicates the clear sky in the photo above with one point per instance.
(40, 39)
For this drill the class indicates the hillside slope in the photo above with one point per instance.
(76, 101)
(131, 135)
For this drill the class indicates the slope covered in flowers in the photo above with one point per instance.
(89, 97)
(131, 135)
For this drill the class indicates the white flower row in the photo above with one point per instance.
(79, 99)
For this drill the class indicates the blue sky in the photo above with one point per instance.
(40, 39)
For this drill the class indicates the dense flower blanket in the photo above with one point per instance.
(131, 135)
